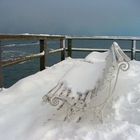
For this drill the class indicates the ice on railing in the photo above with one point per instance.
(85, 100)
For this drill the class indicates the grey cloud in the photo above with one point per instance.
(76, 17)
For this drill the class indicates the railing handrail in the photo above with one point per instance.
(30, 37)
(43, 38)
(103, 38)
(21, 59)
(7, 37)
(56, 37)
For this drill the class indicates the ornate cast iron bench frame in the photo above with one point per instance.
(75, 107)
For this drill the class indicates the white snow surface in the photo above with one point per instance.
(24, 116)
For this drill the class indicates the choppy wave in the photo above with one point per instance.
(12, 54)
(23, 44)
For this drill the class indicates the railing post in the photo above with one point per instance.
(43, 47)
(69, 47)
(62, 45)
(133, 50)
(1, 75)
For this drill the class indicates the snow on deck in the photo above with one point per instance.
(24, 116)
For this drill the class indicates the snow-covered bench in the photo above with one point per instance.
(76, 104)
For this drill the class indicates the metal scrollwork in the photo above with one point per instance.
(54, 101)
(124, 66)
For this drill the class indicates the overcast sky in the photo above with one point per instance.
(73, 17)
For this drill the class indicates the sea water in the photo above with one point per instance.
(11, 50)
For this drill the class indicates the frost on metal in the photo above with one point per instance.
(78, 106)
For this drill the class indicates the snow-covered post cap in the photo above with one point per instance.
(115, 44)
(121, 56)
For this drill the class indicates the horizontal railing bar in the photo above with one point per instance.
(21, 59)
(138, 50)
(56, 37)
(29, 57)
(103, 38)
(88, 49)
(30, 37)
(56, 51)
(100, 50)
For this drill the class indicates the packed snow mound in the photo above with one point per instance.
(127, 106)
(23, 115)
(96, 57)
(86, 72)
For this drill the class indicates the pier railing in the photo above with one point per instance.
(66, 47)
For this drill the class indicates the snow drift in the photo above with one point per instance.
(24, 116)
